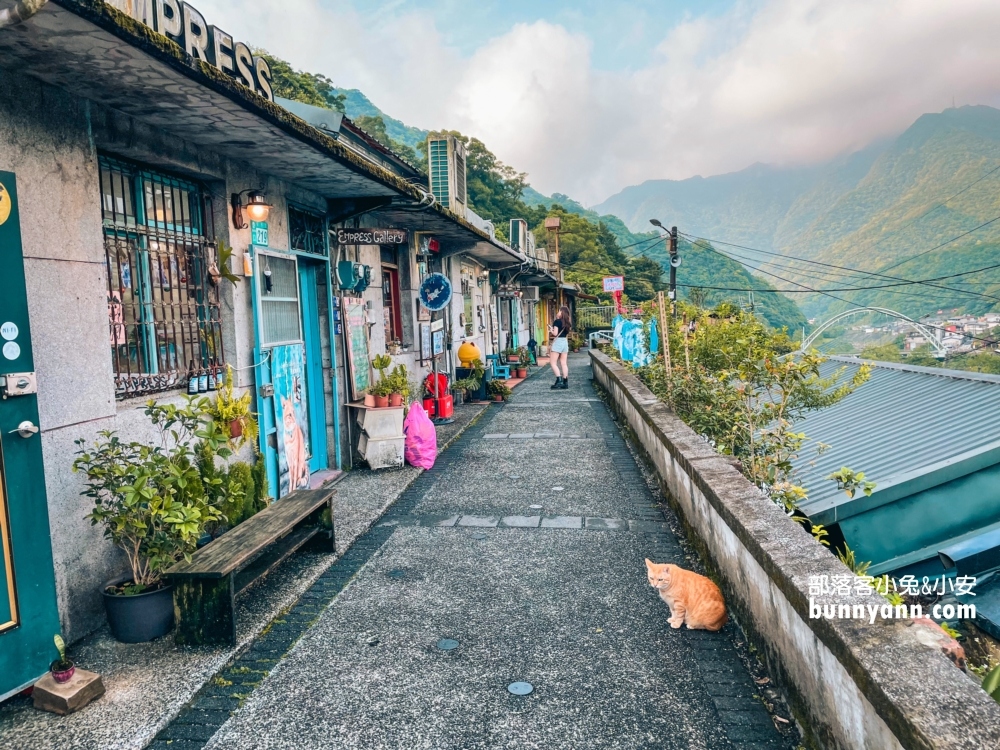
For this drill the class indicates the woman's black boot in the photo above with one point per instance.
(557, 384)
(565, 383)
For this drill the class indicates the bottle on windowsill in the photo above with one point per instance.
(203, 380)
(192, 388)
(213, 375)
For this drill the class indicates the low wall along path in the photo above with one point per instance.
(852, 684)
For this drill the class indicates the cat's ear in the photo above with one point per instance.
(649, 563)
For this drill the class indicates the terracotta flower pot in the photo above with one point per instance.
(395, 399)
(62, 675)
(497, 397)
(522, 372)
(381, 402)
(369, 400)
(236, 428)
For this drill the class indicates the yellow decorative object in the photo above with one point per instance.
(468, 352)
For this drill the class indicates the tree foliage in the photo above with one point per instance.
(308, 88)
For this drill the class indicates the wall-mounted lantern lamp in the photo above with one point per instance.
(257, 207)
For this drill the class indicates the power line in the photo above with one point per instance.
(826, 293)
(927, 282)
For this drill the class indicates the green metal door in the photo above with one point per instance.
(28, 614)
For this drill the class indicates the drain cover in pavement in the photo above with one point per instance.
(535, 507)
(396, 574)
(515, 476)
(478, 536)
(558, 489)
(520, 688)
(447, 644)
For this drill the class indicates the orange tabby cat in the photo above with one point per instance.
(693, 599)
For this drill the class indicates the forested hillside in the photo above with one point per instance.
(592, 245)
(884, 209)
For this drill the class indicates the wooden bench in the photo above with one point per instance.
(205, 588)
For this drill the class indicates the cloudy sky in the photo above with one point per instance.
(590, 96)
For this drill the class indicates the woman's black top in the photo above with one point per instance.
(562, 328)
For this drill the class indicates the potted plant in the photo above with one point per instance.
(399, 385)
(62, 669)
(380, 393)
(368, 396)
(153, 504)
(523, 358)
(510, 355)
(499, 390)
(232, 413)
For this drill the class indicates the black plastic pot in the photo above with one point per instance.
(141, 617)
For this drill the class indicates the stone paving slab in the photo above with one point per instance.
(591, 639)
(566, 609)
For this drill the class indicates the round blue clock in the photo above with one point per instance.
(435, 292)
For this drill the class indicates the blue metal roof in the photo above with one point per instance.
(908, 429)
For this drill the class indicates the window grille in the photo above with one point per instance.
(163, 308)
(278, 280)
(306, 231)
(460, 179)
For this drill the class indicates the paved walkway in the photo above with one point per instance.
(525, 545)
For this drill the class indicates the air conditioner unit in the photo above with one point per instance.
(529, 293)
(519, 234)
(446, 165)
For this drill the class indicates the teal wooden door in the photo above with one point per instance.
(309, 294)
(28, 614)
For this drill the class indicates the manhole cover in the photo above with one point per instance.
(447, 644)
(396, 574)
(558, 489)
(478, 536)
(520, 688)
(535, 507)
(515, 476)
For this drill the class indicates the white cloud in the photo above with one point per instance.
(782, 81)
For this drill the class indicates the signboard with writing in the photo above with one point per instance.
(258, 233)
(614, 283)
(357, 345)
(364, 236)
(185, 25)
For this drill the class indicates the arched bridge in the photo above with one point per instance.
(939, 351)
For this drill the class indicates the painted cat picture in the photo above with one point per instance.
(694, 600)
(295, 446)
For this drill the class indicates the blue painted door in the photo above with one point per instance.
(28, 614)
(311, 333)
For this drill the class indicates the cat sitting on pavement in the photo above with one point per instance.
(693, 599)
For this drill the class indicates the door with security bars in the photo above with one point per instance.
(28, 614)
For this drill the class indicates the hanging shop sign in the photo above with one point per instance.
(614, 283)
(373, 236)
(435, 292)
(426, 244)
(184, 24)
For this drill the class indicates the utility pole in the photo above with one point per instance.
(675, 261)
(552, 224)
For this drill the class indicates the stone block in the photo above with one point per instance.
(562, 522)
(67, 697)
(606, 524)
(481, 521)
(521, 522)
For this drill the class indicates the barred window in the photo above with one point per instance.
(163, 306)
(306, 231)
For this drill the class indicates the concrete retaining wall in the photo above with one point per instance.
(851, 684)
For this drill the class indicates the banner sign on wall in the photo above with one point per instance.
(373, 236)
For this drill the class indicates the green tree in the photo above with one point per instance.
(308, 88)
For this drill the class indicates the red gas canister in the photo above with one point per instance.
(445, 407)
(429, 406)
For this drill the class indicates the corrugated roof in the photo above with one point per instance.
(907, 428)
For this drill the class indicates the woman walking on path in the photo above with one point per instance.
(559, 352)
